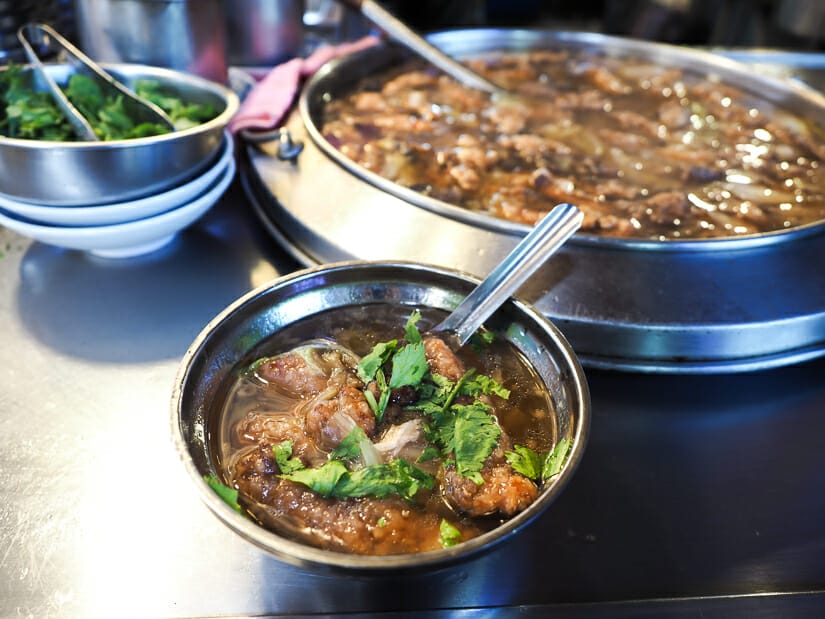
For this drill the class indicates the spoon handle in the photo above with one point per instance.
(530, 254)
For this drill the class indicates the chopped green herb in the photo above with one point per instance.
(555, 459)
(382, 522)
(408, 366)
(484, 385)
(449, 535)
(378, 356)
(429, 453)
(481, 339)
(30, 114)
(227, 494)
(475, 436)
(284, 459)
(379, 480)
(321, 480)
(350, 446)
(525, 461)
(411, 332)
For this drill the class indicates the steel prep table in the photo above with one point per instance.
(699, 495)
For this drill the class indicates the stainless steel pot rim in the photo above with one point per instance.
(502, 38)
(306, 556)
(229, 98)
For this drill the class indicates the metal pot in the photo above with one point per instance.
(715, 305)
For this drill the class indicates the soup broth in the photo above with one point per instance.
(321, 410)
(646, 151)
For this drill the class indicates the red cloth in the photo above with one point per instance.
(270, 99)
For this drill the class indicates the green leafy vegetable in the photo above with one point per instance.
(379, 480)
(475, 436)
(484, 385)
(321, 480)
(31, 114)
(481, 339)
(556, 459)
(409, 366)
(525, 461)
(411, 332)
(350, 446)
(378, 356)
(429, 453)
(449, 535)
(284, 459)
(227, 494)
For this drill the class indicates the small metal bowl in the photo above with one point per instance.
(261, 313)
(89, 173)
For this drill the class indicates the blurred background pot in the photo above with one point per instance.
(263, 32)
(186, 35)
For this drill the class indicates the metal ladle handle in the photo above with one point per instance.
(400, 32)
(531, 253)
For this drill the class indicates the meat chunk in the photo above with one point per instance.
(504, 491)
(293, 374)
(329, 421)
(442, 359)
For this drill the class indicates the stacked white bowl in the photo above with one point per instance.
(123, 229)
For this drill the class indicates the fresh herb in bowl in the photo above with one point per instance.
(30, 114)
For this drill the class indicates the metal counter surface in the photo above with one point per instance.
(697, 494)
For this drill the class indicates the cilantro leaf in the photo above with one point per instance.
(378, 480)
(350, 446)
(378, 356)
(480, 339)
(525, 461)
(449, 535)
(429, 453)
(408, 366)
(321, 480)
(484, 385)
(555, 459)
(284, 459)
(475, 436)
(227, 494)
(411, 332)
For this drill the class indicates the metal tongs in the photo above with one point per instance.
(45, 37)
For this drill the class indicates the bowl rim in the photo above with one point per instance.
(306, 556)
(230, 99)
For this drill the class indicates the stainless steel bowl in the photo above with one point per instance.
(261, 313)
(87, 173)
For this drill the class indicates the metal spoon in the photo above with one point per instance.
(398, 30)
(531, 253)
(137, 107)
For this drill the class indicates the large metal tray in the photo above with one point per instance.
(668, 307)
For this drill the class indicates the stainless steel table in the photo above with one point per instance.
(698, 494)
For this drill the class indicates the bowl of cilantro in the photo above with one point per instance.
(42, 162)
(324, 419)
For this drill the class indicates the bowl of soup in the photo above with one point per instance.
(323, 419)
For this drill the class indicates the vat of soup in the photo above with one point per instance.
(320, 420)
(707, 262)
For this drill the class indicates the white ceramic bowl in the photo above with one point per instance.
(125, 239)
(104, 214)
